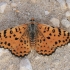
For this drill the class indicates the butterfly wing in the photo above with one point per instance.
(49, 38)
(16, 40)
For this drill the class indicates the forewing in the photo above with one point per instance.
(16, 40)
(49, 38)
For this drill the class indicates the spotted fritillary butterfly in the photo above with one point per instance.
(43, 38)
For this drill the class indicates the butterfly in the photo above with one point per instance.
(43, 38)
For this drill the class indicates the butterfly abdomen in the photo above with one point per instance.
(32, 43)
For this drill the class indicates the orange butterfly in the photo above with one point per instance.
(41, 37)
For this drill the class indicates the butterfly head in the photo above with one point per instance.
(32, 20)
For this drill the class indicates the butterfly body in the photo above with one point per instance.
(32, 30)
(41, 37)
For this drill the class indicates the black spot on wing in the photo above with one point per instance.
(14, 35)
(41, 50)
(5, 31)
(16, 38)
(24, 41)
(68, 34)
(20, 51)
(43, 39)
(68, 37)
(63, 41)
(24, 51)
(1, 42)
(59, 30)
(20, 32)
(0, 34)
(59, 41)
(56, 43)
(5, 42)
(16, 29)
(45, 50)
(48, 37)
(40, 40)
(21, 40)
(24, 27)
(44, 31)
(66, 40)
(48, 28)
(54, 35)
(10, 36)
(58, 35)
(8, 44)
(53, 30)
(11, 32)
(50, 34)
(45, 28)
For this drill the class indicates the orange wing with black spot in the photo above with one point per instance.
(49, 38)
(16, 40)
